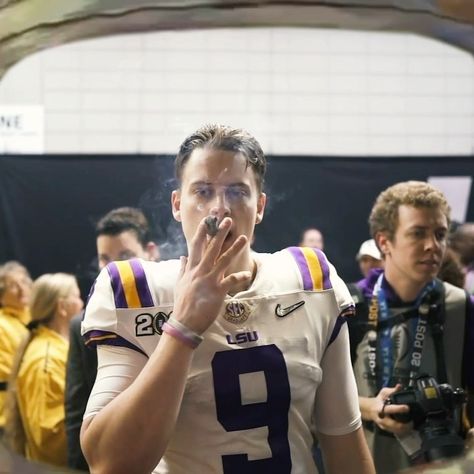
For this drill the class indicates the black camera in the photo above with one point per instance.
(434, 410)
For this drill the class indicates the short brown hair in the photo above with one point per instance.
(124, 219)
(384, 214)
(222, 137)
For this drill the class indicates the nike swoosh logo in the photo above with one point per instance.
(282, 312)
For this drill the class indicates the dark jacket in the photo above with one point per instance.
(81, 372)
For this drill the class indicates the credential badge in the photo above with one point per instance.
(237, 312)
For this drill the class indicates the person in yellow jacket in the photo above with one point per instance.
(35, 418)
(15, 289)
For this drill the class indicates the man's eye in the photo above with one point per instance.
(203, 192)
(441, 235)
(236, 193)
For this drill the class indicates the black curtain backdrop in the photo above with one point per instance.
(50, 204)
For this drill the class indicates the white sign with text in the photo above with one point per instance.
(21, 129)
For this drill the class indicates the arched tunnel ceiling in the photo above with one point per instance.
(27, 26)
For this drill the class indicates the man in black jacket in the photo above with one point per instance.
(121, 234)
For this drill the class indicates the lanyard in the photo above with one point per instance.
(379, 310)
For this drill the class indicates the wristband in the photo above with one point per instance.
(174, 328)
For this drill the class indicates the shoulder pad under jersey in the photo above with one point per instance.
(123, 290)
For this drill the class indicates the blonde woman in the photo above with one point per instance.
(35, 421)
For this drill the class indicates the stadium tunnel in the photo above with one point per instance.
(28, 26)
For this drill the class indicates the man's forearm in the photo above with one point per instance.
(143, 416)
(356, 459)
(366, 407)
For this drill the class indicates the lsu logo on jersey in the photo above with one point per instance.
(147, 324)
(242, 337)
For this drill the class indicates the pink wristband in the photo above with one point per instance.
(178, 334)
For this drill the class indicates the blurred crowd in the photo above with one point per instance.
(47, 373)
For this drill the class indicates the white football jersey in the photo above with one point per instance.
(272, 369)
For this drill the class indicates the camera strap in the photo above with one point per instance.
(437, 320)
(379, 316)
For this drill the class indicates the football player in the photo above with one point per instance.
(227, 361)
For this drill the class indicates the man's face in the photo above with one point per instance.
(313, 238)
(417, 249)
(119, 247)
(367, 263)
(17, 290)
(218, 183)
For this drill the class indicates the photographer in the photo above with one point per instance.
(414, 324)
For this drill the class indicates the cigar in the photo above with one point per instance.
(211, 225)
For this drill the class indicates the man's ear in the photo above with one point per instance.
(382, 241)
(176, 204)
(262, 201)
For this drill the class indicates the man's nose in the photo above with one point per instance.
(220, 206)
(431, 242)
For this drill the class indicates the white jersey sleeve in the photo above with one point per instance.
(129, 303)
(337, 404)
(117, 368)
(336, 408)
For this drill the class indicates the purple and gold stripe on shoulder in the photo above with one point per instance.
(129, 284)
(313, 267)
(95, 338)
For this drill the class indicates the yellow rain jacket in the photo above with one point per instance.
(40, 391)
(12, 332)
